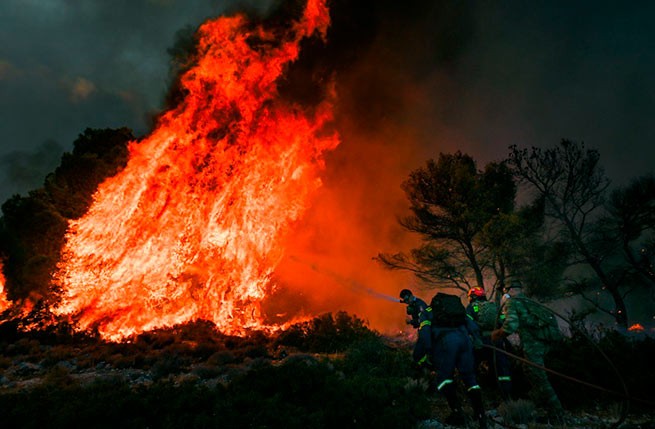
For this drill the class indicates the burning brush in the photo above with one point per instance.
(193, 227)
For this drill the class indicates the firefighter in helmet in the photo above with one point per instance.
(454, 335)
(488, 317)
(420, 318)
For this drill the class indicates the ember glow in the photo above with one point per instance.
(194, 226)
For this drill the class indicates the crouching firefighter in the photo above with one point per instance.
(453, 334)
(420, 317)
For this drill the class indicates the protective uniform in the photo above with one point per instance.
(486, 315)
(520, 319)
(452, 348)
(419, 317)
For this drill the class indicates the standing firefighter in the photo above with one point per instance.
(538, 330)
(487, 316)
(420, 318)
(452, 349)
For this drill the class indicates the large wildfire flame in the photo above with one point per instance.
(194, 226)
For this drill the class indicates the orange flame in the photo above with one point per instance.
(637, 327)
(193, 227)
(4, 302)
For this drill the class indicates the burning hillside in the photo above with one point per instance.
(225, 212)
(193, 227)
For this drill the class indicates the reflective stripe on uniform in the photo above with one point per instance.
(425, 323)
(443, 383)
(505, 378)
(476, 387)
(423, 359)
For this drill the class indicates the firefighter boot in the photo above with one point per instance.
(456, 417)
(475, 396)
(505, 385)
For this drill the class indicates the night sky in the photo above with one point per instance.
(473, 76)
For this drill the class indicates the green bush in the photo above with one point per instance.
(326, 334)
(606, 359)
(345, 375)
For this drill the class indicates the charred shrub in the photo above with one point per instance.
(169, 363)
(222, 357)
(24, 346)
(59, 376)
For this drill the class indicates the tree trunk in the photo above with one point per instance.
(620, 312)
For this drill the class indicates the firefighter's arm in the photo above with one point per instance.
(510, 323)
(498, 334)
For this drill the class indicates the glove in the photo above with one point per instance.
(498, 334)
(413, 322)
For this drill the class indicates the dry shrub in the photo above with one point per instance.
(517, 412)
(58, 377)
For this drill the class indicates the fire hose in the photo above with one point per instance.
(625, 395)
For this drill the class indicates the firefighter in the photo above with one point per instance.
(420, 318)
(452, 351)
(521, 319)
(486, 315)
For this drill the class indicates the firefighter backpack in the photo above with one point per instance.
(447, 310)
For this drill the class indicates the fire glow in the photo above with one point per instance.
(637, 327)
(4, 303)
(194, 226)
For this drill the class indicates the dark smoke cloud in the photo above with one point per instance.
(67, 65)
(480, 76)
(25, 171)
(477, 76)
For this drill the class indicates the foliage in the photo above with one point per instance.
(630, 225)
(452, 203)
(158, 380)
(326, 333)
(33, 227)
(365, 386)
(473, 233)
(518, 248)
(574, 187)
(608, 359)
